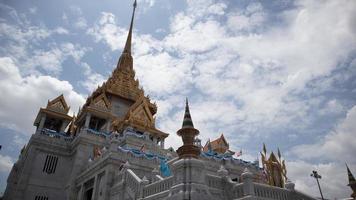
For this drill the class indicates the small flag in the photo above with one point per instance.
(238, 154)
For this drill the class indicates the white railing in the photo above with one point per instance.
(214, 181)
(132, 181)
(268, 192)
(238, 190)
(159, 186)
(57, 135)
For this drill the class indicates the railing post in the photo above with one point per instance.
(289, 185)
(248, 184)
(143, 183)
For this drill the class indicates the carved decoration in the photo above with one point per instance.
(274, 168)
(58, 104)
(139, 116)
(101, 102)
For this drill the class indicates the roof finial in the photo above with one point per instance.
(351, 177)
(187, 120)
(127, 48)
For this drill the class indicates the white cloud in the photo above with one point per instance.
(336, 145)
(51, 60)
(93, 79)
(81, 23)
(5, 163)
(249, 19)
(335, 148)
(333, 182)
(106, 30)
(26, 94)
(33, 10)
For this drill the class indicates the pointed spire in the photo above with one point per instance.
(187, 121)
(264, 149)
(127, 48)
(351, 176)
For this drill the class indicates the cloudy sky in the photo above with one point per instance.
(281, 72)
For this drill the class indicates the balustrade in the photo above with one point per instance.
(158, 186)
(269, 192)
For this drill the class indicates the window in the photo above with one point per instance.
(41, 198)
(50, 165)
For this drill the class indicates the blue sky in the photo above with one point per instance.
(280, 72)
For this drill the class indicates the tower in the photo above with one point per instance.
(188, 133)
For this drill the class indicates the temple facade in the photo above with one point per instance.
(112, 150)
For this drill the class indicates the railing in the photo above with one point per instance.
(214, 181)
(55, 134)
(238, 190)
(132, 181)
(158, 186)
(268, 192)
(98, 133)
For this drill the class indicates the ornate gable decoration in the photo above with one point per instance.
(101, 103)
(123, 83)
(140, 114)
(274, 168)
(58, 105)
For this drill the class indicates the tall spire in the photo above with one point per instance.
(351, 176)
(352, 182)
(127, 48)
(187, 120)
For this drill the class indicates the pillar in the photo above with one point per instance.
(162, 143)
(43, 119)
(248, 184)
(63, 126)
(87, 120)
(155, 140)
(108, 124)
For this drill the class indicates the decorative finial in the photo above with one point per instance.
(127, 48)
(264, 149)
(187, 120)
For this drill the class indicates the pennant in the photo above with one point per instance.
(238, 154)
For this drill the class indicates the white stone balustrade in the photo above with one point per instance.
(267, 192)
(159, 186)
(214, 181)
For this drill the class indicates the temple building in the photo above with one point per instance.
(112, 150)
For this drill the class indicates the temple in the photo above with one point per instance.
(112, 150)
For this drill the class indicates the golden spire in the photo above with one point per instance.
(127, 48)
(122, 81)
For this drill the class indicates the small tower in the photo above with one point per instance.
(54, 118)
(188, 133)
(352, 182)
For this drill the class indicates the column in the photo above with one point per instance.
(155, 140)
(43, 119)
(248, 186)
(80, 192)
(87, 120)
(63, 126)
(162, 143)
(108, 124)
